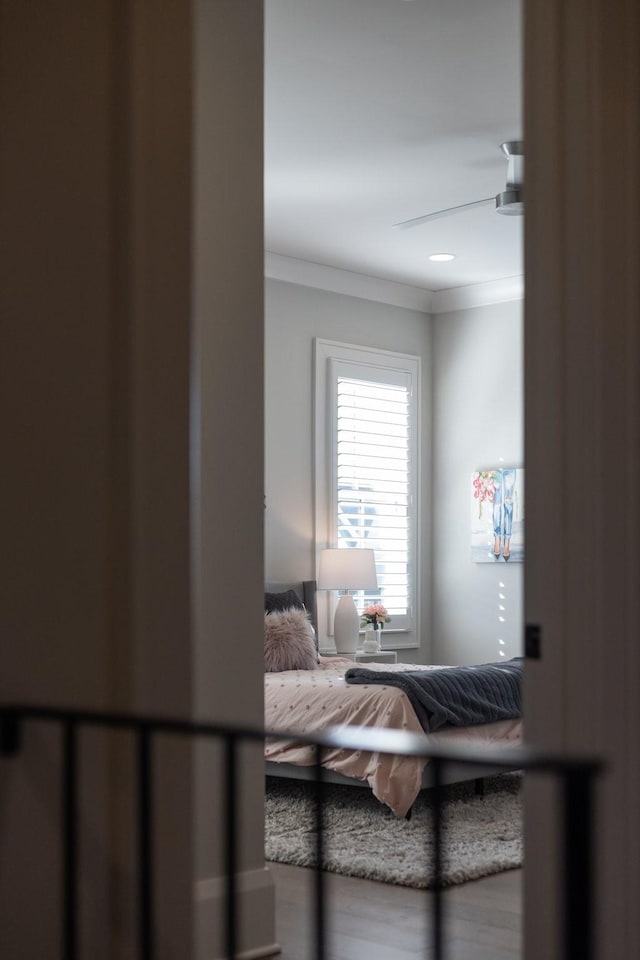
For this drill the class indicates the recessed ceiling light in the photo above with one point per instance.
(442, 257)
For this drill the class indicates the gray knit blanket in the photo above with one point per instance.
(455, 696)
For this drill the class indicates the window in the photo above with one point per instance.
(366, 471)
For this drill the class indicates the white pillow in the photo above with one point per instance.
(289, 641)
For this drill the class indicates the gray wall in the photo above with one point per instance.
(294, 316)
(472, 416)
(477, 423)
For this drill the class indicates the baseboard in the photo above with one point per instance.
(256, 916)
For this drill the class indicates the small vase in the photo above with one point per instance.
(370, 644)
(372, 637)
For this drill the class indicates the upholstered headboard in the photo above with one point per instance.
(305, 589)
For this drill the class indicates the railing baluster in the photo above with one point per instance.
(145, 849)
(578, 866)
(231, 925)
(438, 940)
(320, 899)
(69, 835)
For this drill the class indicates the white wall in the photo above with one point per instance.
(477, 423)
(227, 441)
(94, 386)
(294, 316)
(125, 332)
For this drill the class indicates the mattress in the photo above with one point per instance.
(306, 701)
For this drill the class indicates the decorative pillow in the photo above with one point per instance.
(282, 601)
(289, 641)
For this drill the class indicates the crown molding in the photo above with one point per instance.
(317, 275)
(478, 295)
(309, 274)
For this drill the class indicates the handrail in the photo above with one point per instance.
(577, 774)
(374, 739)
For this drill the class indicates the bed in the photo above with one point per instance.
(307, 700)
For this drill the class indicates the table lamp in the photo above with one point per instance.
(347, 569)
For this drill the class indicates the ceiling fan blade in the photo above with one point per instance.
(405, 224)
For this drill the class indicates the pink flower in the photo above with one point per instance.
(374, 613)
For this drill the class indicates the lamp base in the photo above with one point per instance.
(346, 625)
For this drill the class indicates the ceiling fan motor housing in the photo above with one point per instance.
(511, 201)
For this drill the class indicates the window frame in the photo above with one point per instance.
(329, 355)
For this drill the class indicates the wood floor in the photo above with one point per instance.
(379, 921)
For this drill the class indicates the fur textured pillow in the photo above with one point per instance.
(289, 641)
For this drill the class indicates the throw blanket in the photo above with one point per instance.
(455, 696)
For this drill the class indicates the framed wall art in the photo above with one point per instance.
(497, 515)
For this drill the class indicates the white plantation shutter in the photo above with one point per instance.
(367, 458)
(373, 487)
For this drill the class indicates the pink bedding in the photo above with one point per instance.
(308, 700)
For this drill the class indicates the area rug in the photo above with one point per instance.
(481, 834)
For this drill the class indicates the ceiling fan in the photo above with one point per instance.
(510, 202)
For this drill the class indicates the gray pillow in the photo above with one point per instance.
(282, 601)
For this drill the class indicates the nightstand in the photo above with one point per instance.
(382, 656)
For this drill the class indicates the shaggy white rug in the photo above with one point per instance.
(481, 834)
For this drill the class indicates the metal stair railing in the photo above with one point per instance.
(576, 775)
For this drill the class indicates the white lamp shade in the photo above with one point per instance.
(347, 569)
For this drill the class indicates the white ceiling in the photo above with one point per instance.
(381, 110)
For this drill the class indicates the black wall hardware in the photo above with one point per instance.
(533, 641)
(9, 733)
